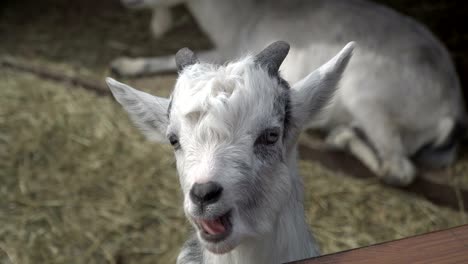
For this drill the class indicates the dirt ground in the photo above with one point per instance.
(78, 184)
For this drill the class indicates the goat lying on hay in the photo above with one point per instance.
(400, 98)
(234, 130)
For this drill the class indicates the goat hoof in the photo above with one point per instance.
(127, 67)
(398, 171)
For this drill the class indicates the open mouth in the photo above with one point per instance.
(215, 229)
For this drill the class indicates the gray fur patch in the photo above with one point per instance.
(252, 192)
(287, 117)
(191, 252)
(269, 155)
(427, 55)
(432, 156)
(282, 108)
(169, 108)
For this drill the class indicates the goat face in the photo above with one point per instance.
(233, 128)
(228, 126)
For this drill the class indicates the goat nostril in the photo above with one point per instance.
(214, 194)
(206, 193)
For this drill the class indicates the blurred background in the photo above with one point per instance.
(78, 184)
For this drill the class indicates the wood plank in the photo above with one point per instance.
(432, 185)
(442, 247)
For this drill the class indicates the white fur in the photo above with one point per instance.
(401, 89)
(218, 113)
(161, 21)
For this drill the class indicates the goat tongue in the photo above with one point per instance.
(213, 227)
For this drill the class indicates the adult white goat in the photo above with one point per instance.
(234, 129)
(399, 99)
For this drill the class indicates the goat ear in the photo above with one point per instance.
(311, 94)
(272, 56)
(185, 57)
(148, 112)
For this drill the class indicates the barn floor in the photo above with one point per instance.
(78, 184)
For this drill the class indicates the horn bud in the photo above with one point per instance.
(185, 57)
(272, 56)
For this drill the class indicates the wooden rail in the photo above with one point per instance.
(442, 247)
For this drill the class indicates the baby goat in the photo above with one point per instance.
(234, 129)
(399, 100)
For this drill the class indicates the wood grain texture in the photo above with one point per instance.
(442, 247)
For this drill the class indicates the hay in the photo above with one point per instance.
(347, 213)
(78, 184)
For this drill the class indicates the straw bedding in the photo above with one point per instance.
(78, 184)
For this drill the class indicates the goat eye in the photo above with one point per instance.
(174, 140)
(269, 136)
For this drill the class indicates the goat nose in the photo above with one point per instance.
(205, 193)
